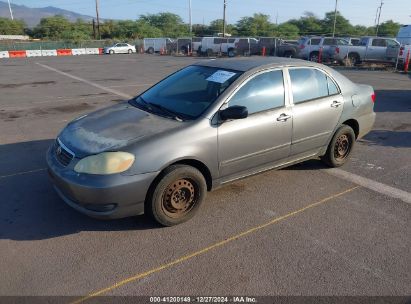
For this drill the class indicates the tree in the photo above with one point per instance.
(52, 27)
(309, 24)
(342, 25)
(389, 28)
(11, 27)
(287, 30)
(258, 25)
(170, 24)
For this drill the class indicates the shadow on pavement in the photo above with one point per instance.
(387, 138)
(29, 207)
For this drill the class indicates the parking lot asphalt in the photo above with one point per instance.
(302, 230)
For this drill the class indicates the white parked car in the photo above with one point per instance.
(120, 48)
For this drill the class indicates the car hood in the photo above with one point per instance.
(112, 128)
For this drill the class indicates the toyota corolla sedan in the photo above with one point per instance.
(204, 126)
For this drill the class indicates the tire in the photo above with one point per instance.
(314, 57)
(111, 52)
(150, 50)
(231, 53)
(210, 52)
(288, 54)
(340, 147)
(351, 60)
(130, 51)
(246, 53)
(177, 196)
(184, 50)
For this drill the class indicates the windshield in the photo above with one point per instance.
(187, 93)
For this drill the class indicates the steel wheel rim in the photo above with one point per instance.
(179, 198)
(342, 147)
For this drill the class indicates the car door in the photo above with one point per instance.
(377, 50)
(317, 105)
(264, 136)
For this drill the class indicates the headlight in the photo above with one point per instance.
(105, 163)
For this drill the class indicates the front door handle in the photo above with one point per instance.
(336, 104)
(283, 117)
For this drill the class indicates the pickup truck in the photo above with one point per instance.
(370, 49)
(278, 47)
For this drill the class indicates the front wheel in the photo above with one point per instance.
(111, 52)
(130, 51)
(177, 196)
(340, 147)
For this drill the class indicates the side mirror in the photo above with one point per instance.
(234, 112)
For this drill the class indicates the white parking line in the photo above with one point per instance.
(86, 81)
(371, 184)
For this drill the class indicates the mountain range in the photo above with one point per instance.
(32, 16)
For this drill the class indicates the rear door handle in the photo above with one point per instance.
(336, 104)
(283, 117)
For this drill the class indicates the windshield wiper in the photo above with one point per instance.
(165, 110)
(151, 106)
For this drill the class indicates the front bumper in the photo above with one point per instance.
(100, 196)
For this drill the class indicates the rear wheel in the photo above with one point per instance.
(130, 51)
(351, 60)
(340, 147)
(177, 196)
(314, 56)
(231, 53)
(150, 50)
(288, 54)
(111, 52)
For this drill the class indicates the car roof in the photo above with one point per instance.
(245, 64)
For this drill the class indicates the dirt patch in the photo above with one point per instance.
(71, 108)
(17, 85)
(403, 126)
(93, 94)
(109, 79)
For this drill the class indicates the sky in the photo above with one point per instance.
(361, 12)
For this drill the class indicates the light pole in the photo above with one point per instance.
(335, 17)
(225, 6)
(11, 12)
(379, 16)
(189, 16)
(98, 21)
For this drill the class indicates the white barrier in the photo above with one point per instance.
(48, 52)
(92, 51)
(4, 54)
(78, 51)
(33, 53)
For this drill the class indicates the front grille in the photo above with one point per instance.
(63, 155)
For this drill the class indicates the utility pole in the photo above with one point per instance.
(335, 17)
(98, 21)
(379, 16)
(189, 16)
(225, 6)
(11, 12)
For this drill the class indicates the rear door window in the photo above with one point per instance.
(315, 41)
(379, 42)
(308, 84)
(329, 41)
